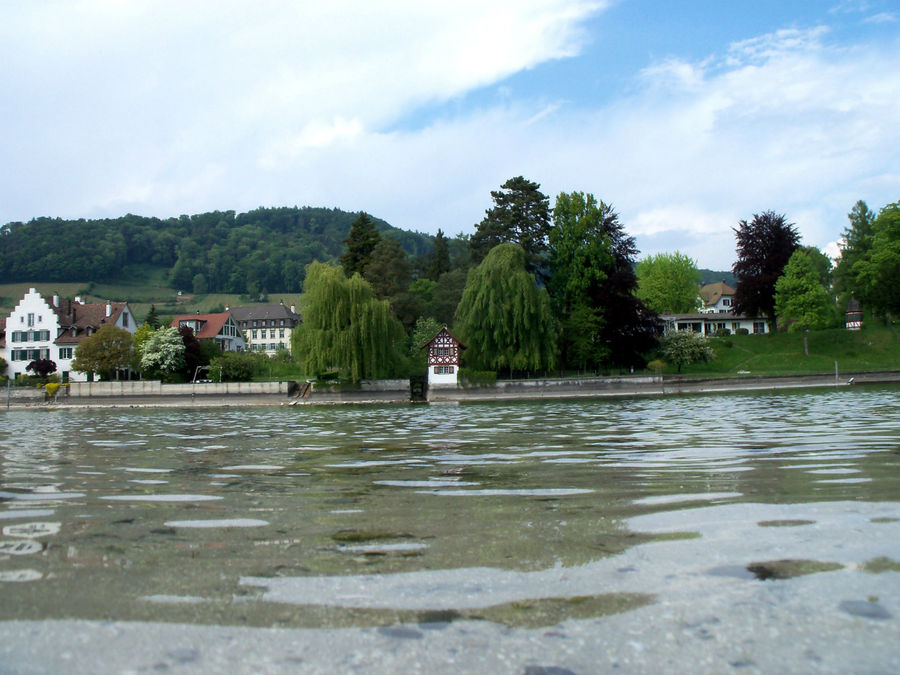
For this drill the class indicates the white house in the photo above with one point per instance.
(443, 359)
(267, 328)
(39, 328)
(709, 324)
(717, 298)
(220, 327)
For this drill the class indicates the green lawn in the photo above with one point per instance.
(873, 348)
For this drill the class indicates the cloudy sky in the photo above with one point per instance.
(685, 115)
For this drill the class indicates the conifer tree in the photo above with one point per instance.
(361, 242)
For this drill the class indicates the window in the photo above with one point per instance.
(255, 323)
(282, 323)
(31, 319)
(65, 352)
(254, 333)
(726, 302)
(281, 332)
(759, 327)
(443, 370)
(124, 319)
(272, 334)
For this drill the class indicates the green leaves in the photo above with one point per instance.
(668, 282)
(104, 352)
(503, 318)
(345, 327)
(800, 296)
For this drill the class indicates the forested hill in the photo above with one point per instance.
(266, 249)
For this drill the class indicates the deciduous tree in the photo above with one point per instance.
(876, 275)
(800, 297)
(593, 263)
(681, 348)
(163, 353)
(504, 318)
(668, 282)
(41, 367)
(105, 352)
(345, 327)
(764, 246)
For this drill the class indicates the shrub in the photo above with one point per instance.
(723, 332)
(656, 365)
(236, 366)
(742, 331)
(51, 388)
(477, 378)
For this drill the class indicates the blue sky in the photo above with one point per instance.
(686, 116)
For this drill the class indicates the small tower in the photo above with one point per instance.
(443, 359)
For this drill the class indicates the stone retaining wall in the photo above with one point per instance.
(156, 388)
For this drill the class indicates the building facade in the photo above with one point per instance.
(219, 327)
(267, 328)
(41, 328)
(443, 359)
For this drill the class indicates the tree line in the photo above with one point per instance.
(262, 251)
(536, 289)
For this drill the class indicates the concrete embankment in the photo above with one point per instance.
(237, 394)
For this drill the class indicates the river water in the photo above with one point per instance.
(694, 533)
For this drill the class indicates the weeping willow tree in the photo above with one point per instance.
(345, 327)
(503, 317)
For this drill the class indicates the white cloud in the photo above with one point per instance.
(172, 107)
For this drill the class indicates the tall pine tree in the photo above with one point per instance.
(361, 242)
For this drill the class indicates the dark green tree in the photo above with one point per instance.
(764, 246)
(440, 257)
(388, 269)
(361, 242)
(193, 352)
(425, 329)
(856, 244)
(447, 293)
(594, 283)
(520, 215)
(503, 318)
(106, 352)
(152, 319)
(345, 327)
(876, 275)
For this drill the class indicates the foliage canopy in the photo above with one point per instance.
(503, 317)
(105, 352)
(345, 327)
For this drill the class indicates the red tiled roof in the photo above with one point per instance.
(444, 330)
(210, 324)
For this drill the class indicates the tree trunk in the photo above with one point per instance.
(805, 343)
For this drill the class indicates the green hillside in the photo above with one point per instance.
(262, 251)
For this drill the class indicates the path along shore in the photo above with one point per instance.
(508, 390)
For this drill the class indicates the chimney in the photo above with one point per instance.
(227, 308)
(56, 299)
(108, 309)
(293, 309)
(78, 299)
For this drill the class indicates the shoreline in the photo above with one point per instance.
(512, 390)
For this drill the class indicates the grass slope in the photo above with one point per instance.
(874, 348)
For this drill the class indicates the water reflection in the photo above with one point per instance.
(247, 509)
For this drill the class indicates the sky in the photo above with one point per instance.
(686, 116)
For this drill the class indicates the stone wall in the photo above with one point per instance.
(156, 388)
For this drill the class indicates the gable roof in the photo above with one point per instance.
(444, 330)
(210, 324)
(710, 293)
(79, 320)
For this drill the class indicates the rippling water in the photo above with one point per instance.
(324, 516)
